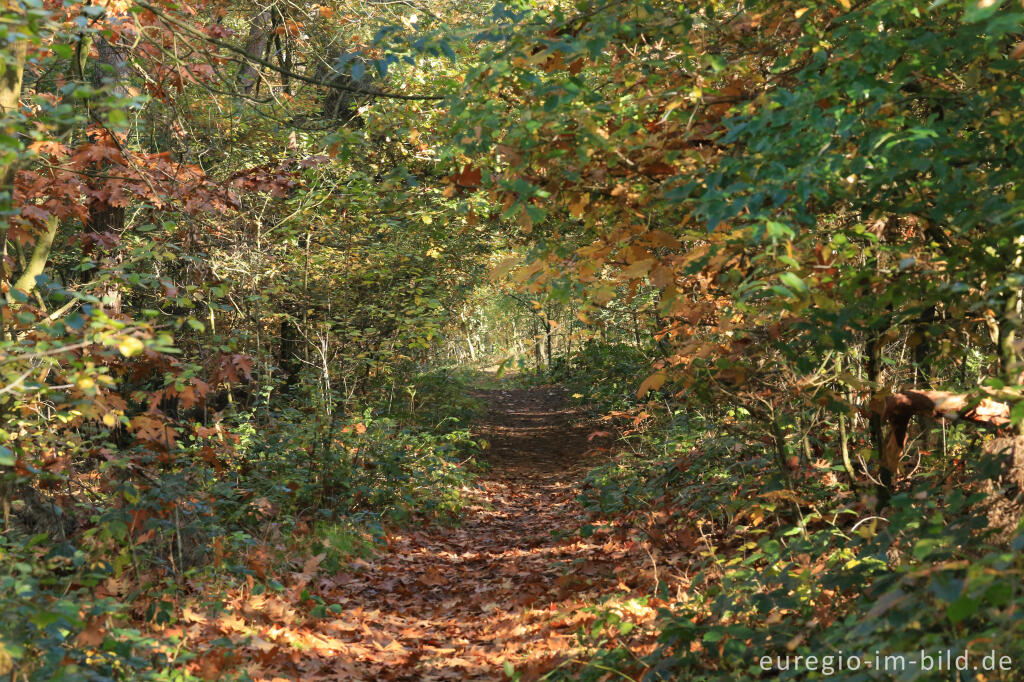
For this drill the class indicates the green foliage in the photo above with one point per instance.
(53, 619)
(603, 375)
(787, 565)
(229, 313)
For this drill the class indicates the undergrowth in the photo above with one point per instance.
(251, 497)
(770, 562)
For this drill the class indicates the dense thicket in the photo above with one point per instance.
(779, 243)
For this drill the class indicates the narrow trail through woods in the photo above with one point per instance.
(455, 603)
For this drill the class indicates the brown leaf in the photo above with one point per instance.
(92, 635)
(469, 177)
(432, 577)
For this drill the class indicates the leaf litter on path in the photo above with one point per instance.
(509, 584)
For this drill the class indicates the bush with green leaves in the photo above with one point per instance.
(605, 375)
(803, 565)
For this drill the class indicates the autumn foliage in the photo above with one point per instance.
(257, 259)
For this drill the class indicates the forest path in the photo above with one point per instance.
(507, 584)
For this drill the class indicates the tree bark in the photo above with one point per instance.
(898, 409)
(256, 45)
(111, 72)
(288, 352)
(10, 93)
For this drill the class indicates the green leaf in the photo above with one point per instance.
(779, 230)
(793, 282)
(783, 291)
(1017, 413)
(43, 618)
(979, 10)
(962, 608)
(6, 457)
(117, 118)
(714, 635)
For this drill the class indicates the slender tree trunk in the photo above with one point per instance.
(537, 353)
(885, 470)
(256, 45)
(10, 93)
(288, 352)
(110, 71)
(547, 338)
(844, 445)
(1009, 361)
(37, 262)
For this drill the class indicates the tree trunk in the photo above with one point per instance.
(111, 72)
(37, 262)
(288, 352)
(256, 45)
(875, 419)
(537, 353)
(10, 93)
(547, 338)
(1009, 362)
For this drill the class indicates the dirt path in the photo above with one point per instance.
(457, 603)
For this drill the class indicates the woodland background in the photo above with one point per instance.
(253, 255)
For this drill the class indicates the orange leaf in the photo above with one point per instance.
(651, 383)
(432, 576)
(662, 238)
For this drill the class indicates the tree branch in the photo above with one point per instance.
(373, 92)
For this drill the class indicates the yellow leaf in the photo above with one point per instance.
(651, 383)
(85, 383)
(845, 3)
(577, 205)
(130, 346)
(525, 224)
(802, 11)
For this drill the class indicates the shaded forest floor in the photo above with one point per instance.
(508, 584)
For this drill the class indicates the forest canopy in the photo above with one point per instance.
(270, 270)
